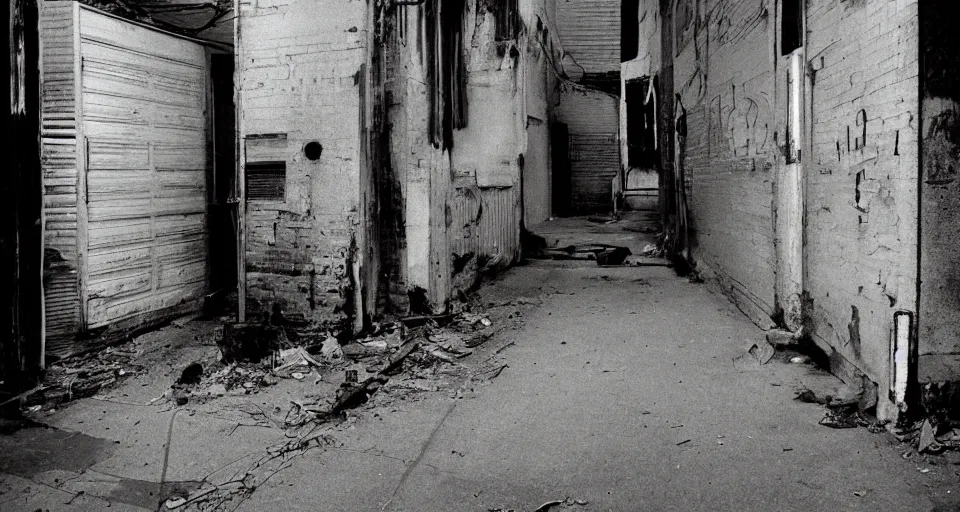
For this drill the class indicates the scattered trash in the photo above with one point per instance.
(923, 470)
(612, 256)
(603, 219)
(799, 359)
(762, 351)
(331, 350)
(928, 441)
(685, 441)
(565, 503)
(297, 375)
(249, 342)
(808, 396)
(859, 494)
(174, 503)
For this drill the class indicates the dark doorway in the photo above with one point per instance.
(223, 203)
(562, 185)
(641, 119)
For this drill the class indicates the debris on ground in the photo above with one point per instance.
(331, 350)
(613, 256)
(560, 504)
(757, 354)
(603, 254)
(191, 374)
(782, 338)
(250, 342)
(762, 352)
(604, 219)
(851, 406)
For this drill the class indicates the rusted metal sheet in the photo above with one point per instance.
(590, 32)
(144, 101)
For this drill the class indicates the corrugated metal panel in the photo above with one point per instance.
(144, 100)
(499, 229)
(594, 160)
(465, 213)
(58, 134)
(590, 32)
(593, 121)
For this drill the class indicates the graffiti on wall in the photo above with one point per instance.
(739, 123)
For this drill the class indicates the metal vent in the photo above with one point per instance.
(266, 181)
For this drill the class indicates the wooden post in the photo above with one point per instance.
(241, 178)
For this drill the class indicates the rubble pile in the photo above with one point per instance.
(84, 376)
(412, 354)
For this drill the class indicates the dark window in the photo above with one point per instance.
(266, 181)
(629, 29)
(791, 26)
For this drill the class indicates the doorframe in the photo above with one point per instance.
(791, 179)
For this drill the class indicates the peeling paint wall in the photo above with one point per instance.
(939, 319)
(299, 81)
(862, 176)
(462, 204)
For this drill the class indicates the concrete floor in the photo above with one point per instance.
(621, 391)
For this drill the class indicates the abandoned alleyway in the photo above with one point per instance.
(611, 396)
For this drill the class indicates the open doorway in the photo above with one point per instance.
(640, 189)
(223, 202)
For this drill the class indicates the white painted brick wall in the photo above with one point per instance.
(298, 75)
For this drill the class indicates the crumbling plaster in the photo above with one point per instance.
(298, 80)
(463, 204)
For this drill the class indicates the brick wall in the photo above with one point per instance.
(861, 204)
(299, 81)
(860, 231)
(725, 81)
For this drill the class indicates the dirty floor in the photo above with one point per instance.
(621, 389)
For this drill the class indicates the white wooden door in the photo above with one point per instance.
(145, 135)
